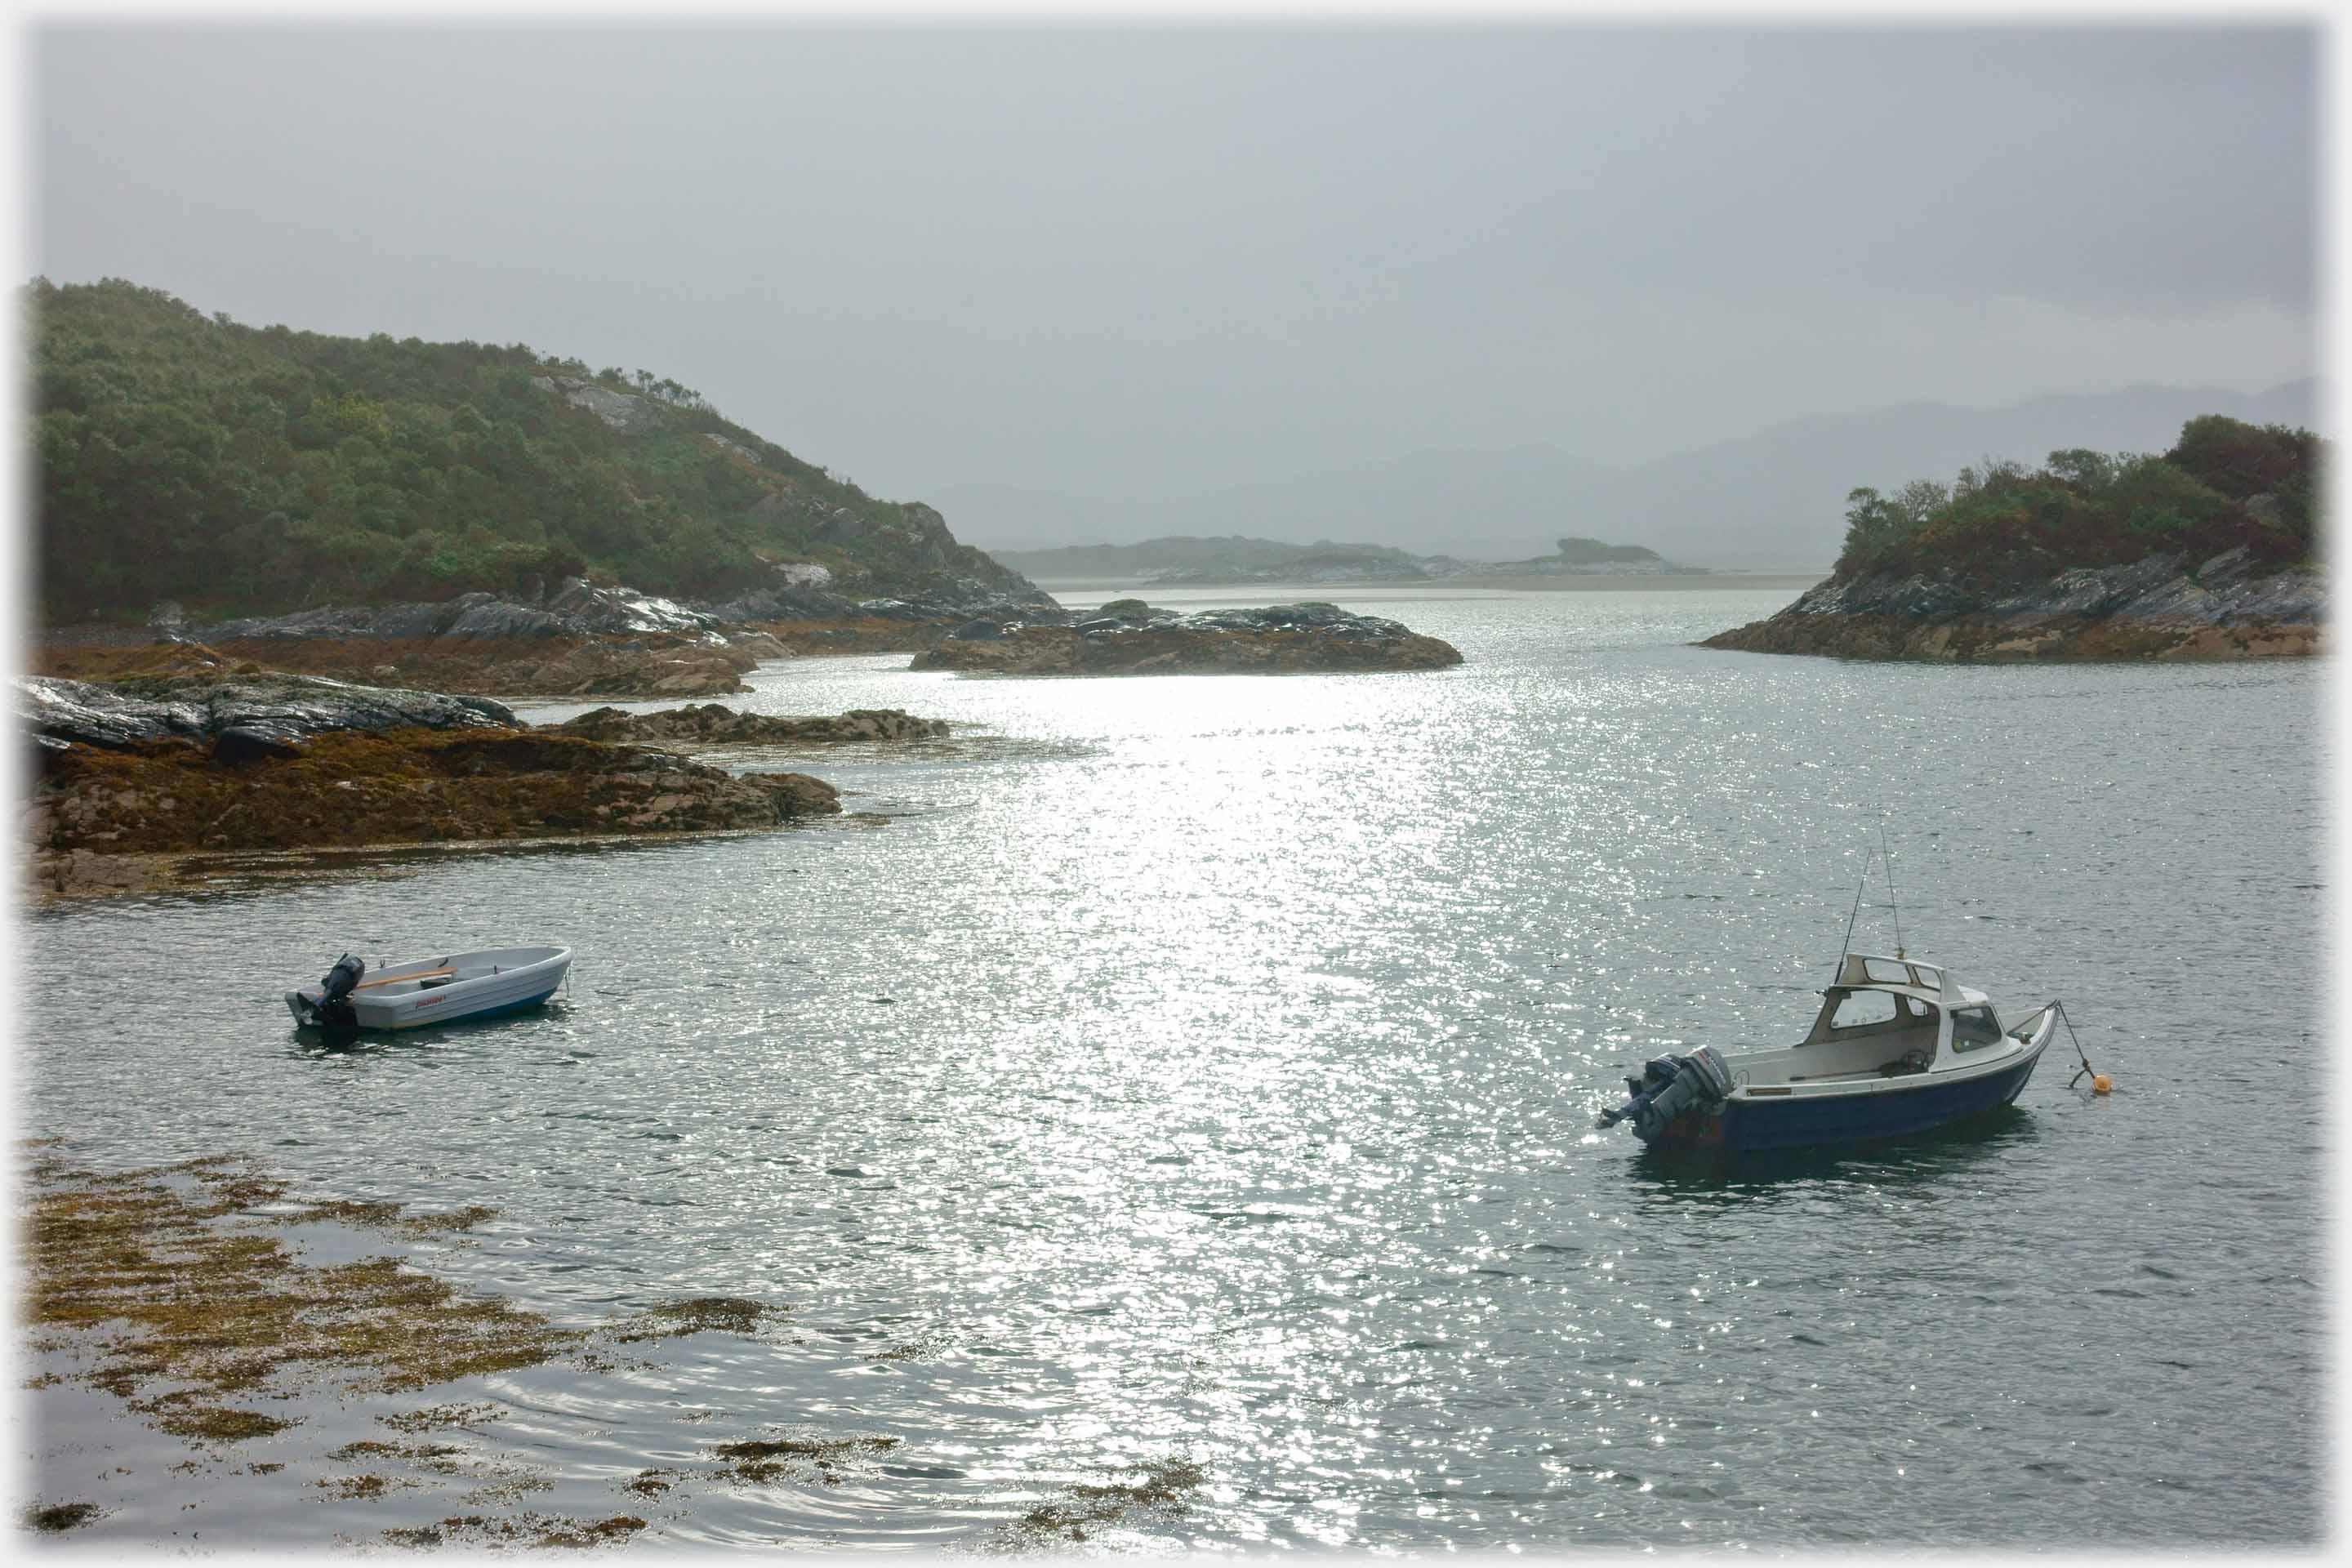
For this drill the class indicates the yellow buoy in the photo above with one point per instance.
(2101, 1083)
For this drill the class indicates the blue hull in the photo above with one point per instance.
(1749, 1126)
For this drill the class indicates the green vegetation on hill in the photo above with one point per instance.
(244, 469)
(2223, 484)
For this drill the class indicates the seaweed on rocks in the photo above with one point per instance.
(1127, 636)
(1161, 1486)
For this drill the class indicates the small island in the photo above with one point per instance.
(2206, 551)
(1127, 636)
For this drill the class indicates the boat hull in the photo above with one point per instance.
(1905, 1106)
(499, 994)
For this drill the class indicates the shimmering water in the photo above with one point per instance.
(1206, 1067)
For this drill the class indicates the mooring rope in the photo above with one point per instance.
(2100, 1082)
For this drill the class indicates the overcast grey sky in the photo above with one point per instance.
(1114, 260)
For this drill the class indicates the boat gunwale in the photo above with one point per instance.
(1840, 1088)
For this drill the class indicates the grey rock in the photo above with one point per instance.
(486, 615)
(265, 710)
(624, 411)
(588, 608)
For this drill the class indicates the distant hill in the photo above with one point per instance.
(1236, 559)
(1230, 558)
(1775, 498)
(257, 470)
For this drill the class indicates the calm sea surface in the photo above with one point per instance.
(1206, 1067)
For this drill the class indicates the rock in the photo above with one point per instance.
(250, 743)
(269, 710)
(977, 631)
(486, 616)
(1140, 640)
(584, 608)
(395, 786)
(2230, 605)
(760, 645)
(623, 411)
(713, 725)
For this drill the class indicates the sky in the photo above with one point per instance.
(1122, 260)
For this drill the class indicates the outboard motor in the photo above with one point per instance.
(335, 1005)
(1668, 1086)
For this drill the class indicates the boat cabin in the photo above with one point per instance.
(1883, 1017)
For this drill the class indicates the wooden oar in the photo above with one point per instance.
(390, 979)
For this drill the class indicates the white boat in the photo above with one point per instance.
(1899, 1047)
(430, 990)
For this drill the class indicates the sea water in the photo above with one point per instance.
(1205, 1068)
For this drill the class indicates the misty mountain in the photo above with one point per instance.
(1775, 498)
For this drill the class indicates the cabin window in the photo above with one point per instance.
(1973, 1028)
(1860, 1009)
(1886, 972)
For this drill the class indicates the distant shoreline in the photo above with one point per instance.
(1599, 581)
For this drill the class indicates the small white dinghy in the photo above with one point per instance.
(430, 990)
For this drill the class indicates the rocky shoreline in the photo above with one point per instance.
(1129, 636)
(582, 641)
(713, 725)
(2226, 606)
(128, 778)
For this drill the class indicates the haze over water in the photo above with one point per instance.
(1206, 1067)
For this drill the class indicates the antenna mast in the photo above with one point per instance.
(1887, 857)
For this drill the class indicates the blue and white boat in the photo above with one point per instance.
(423, 991)
(1899, 1047)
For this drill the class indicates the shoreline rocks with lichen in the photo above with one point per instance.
(2229, 607)
(1129, 636)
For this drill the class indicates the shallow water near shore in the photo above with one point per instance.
(1203, 1069)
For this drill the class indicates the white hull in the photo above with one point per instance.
(423, 991)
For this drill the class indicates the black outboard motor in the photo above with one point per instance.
(1670, 1085)
(335, 1006)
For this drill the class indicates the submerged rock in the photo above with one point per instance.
(1129, 636)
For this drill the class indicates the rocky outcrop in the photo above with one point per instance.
(1130, 637)
(623, 411)
(710, 724)
(647, 665)
(576, 608)
(257, 712)
(395, 786)
(592, 640)
(192, 764)
(2227, 606)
